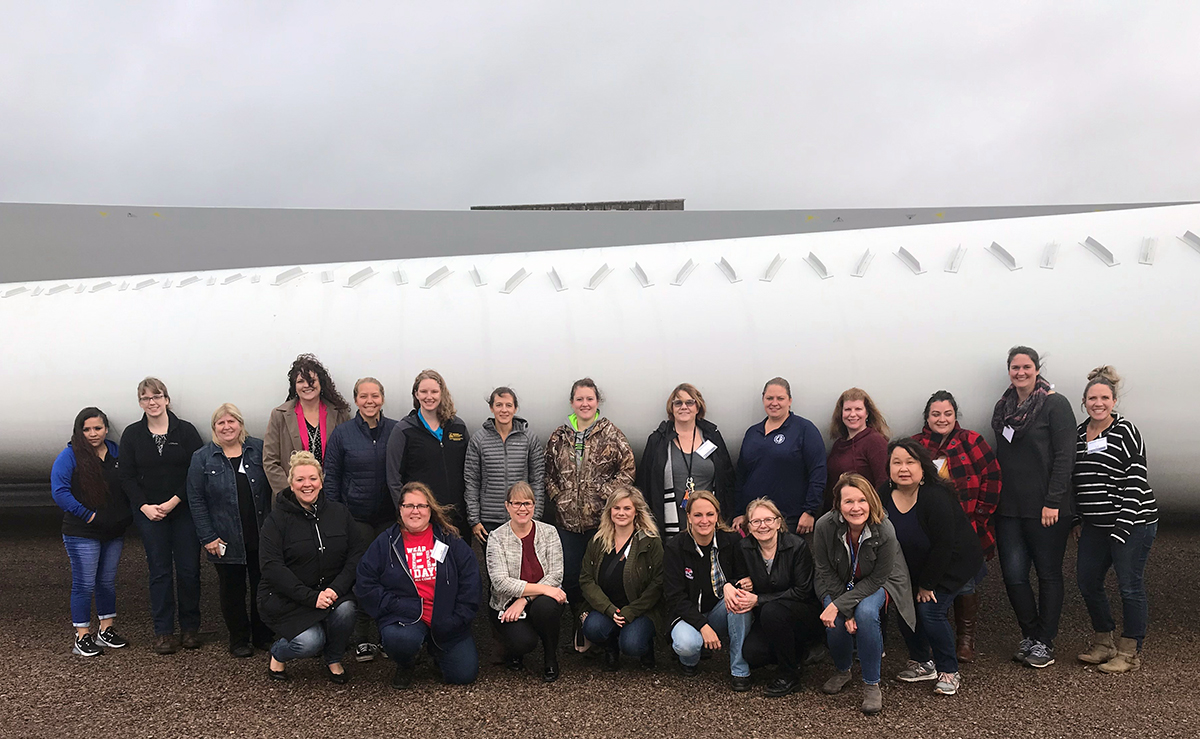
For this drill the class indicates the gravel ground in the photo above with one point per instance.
(206, 693)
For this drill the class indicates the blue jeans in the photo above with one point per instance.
(1023, 542)
(173, 558)
(459, 662)
(635, 639)
(934, 637)
(93, 571)
(730, 627)
(574, 546)
(869, 636)
(328, 638)
(1098, 552)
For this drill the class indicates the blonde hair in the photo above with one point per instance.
(438, 513)
(1102, 375)
(855, 480)
(875, 420)
(643, 520)
(362, 380)
(690, 389)
(520, 490)
(155, 385)
(445, 409)
(762, 503)
(228, 409)
(716, 504)
(304, 458)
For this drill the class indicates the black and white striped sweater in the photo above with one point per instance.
(1111, 489)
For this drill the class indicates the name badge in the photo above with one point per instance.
(1098, 444)
(439, 550)
(940, 462)
(705, 449)
(1008, 434)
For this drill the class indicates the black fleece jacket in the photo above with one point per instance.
(151, 478)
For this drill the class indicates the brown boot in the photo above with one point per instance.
(966, 611)
(1102, 649)
(1128, 658)
(166, 644)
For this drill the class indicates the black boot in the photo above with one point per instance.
(612, 656)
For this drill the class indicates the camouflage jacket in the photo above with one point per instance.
(579, 491)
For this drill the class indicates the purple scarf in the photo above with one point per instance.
(1016, 415)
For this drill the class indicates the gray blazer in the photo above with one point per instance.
(504, 562)
(881, 564)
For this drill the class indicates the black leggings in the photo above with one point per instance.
(542, 620)
(777, 632)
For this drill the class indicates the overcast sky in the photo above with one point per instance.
(729, 105)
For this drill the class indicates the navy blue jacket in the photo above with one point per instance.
(356, 469)
(787, 466)
(387, 592)
(213, 497)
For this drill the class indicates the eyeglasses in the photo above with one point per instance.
(148, 398)
(413, 507)
(679, 403)
(520, 503)
(760, 522)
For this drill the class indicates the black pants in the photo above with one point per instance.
(778, 632)
(1025, 543)
(232, 590)
(541, 622)
(364, 626)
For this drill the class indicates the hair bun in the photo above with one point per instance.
(1105, 372)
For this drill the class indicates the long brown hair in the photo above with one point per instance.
(445, 409)
(93, 488)
(438, 513)
(837, 427)
(308, 367)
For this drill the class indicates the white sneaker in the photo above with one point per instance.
(948, 683)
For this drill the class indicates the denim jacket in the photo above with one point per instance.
(213, 497)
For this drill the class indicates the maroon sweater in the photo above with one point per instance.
(865, 454)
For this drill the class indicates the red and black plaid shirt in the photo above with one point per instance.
(976, 475)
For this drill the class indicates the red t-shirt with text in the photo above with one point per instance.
(419, 550)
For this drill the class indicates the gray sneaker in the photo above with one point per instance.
(1040, 656)
(948, 683)
(915, 672)
(1023, 650)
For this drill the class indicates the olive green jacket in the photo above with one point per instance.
(643, 579)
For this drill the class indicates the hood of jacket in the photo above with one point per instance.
(286, 502)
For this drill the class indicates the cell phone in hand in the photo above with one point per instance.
(221, 549)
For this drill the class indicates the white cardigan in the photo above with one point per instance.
(504, 562)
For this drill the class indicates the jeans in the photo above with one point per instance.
(1022, 542)
(777, 634)
(459, 662)
(869, 637)
(730, 627)
(635, 638)
(543, 617)
(173, 558)
(328, 638)
(1098, 552)
(93, 571)
(934, 637)
(574, 546)
(231, 583)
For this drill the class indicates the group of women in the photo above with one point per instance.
(352, 532)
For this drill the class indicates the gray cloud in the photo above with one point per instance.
(771, 105)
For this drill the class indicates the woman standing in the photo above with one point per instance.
(964, 460)
(860, 438)
(782, 458)
(779, 580)
(859, 567)
(429, 445)
(587, 458)
(1120, 521)
(1035, 443)
(684, 454)
(524, 560)
(155, 455)
(502, 454)
(230, 497)
(356, 477)
(85, 485)
(309, 550)
(303, 422)
(943, 556)
(420, 582)
(622, 579)
(706, 608)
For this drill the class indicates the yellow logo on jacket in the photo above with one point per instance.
(455, 436)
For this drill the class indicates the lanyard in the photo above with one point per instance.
(689, 487)
(854, 550)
